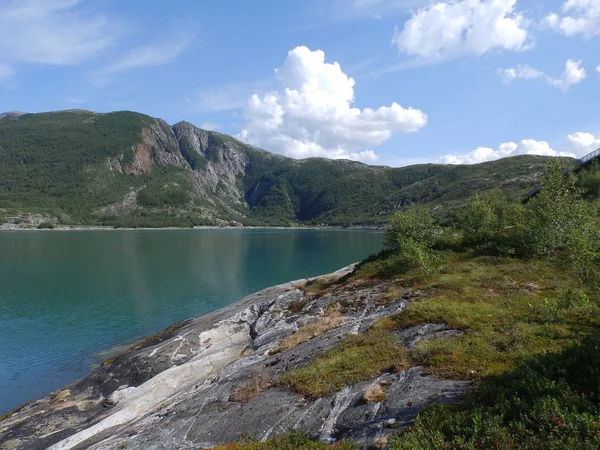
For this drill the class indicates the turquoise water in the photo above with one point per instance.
(67, 297)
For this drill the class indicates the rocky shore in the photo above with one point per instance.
(212, 380)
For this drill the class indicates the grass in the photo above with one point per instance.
(374, 394)
(530, 340)
(328, 322)
(258, 384)
(547, 402)
(290, 441)
(508, 309)
(356, 358)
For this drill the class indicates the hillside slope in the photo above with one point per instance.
(129, 169)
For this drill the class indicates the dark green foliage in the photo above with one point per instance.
(558, 218)
(58, 160)
(589, 180)
(172, 189)
(345, 192)
(549, 402)
(72, 164)
(46, 226)
(193, 158)
(489, 219)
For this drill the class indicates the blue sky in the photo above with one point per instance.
(392, 82)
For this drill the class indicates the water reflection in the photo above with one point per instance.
(67, 295)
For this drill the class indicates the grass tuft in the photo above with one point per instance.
(356, 358)
(290, 441)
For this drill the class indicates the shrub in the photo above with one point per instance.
(412, 235)
(549, 402)
(491, 220)
(46, 226)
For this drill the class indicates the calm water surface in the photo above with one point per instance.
(67, 297)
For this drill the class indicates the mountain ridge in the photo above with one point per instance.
(128, 169)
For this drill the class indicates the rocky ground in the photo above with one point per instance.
(211, 380)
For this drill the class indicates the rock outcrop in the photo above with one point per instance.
(208, 381)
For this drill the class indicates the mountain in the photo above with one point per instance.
(129, 169)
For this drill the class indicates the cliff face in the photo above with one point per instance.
(214, 379)
(218, 164)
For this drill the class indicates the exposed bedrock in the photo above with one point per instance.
(187, 387)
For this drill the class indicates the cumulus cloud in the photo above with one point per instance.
(58, 32)
(582, 143)
(483, 154)
(448, 29)
(579, 17)
(572, 75)
(598, 69)
(310, 114)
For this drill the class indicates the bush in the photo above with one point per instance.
(490, 219)
(46, 226)
(411, 235)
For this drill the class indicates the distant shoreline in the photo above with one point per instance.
(203, 227)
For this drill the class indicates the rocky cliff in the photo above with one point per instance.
(217, 378)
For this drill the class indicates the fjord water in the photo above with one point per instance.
(67, 299)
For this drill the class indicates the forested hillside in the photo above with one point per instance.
(128, 169)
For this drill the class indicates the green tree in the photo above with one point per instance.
(412, 235)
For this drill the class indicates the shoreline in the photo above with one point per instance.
(199, 228)
(105, 357)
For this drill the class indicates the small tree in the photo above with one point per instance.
(557, 218)
(412, 234)
(490, 219)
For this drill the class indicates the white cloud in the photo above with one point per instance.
(311, 113)
(572, 75)
(598, 69)
(445, 30)
(59, 32)
(582, 143)
(579, 17)
(483, 154)
(155, 54)
(211, 126)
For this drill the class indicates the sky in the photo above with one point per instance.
(386, 82)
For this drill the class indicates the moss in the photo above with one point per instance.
(356, 358)
(290, 441)
(501, 304)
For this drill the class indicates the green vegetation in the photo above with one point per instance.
(411, 237)
(356, 358)
(290, 441)
(78, 166)
(279, 190)
(521, 284)
(548, 402)
(46, 226)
